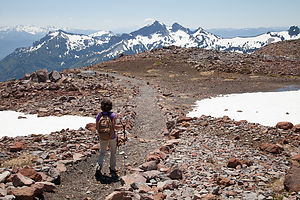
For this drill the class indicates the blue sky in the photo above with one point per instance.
(121, 14)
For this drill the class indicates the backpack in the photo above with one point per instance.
(105, 127)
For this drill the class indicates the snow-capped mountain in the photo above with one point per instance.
(251, 44)
(60, 49)
(23, 36)
(20, 36)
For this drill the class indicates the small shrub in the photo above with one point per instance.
(20, 161)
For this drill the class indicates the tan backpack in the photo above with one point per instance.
(105, 127)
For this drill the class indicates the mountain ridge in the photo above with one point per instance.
(59, 49)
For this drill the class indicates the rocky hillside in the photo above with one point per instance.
(168, 155)
(289, 49)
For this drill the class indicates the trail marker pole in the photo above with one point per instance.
(124, 134)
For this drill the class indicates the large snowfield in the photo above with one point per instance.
(266, 108)
(12, 126)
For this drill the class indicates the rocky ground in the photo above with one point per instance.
(168, 156)
(289, 49)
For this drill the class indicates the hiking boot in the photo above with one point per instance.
(113, 173)
(98, 171)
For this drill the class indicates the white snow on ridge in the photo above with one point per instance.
(34, 48)
(267, 108)
(254, 42)
(199, 38)
(182, 39)
(78, 42)
(100, 33)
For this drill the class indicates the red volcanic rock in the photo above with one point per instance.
(271, 148)
(296, 157)
(31, 173)
(296, 128)
(233, 163)
(284, 125)
(91, 127)
(18, 146)
(184, 119)
(26, 192)
(175, 173)
(175, 134)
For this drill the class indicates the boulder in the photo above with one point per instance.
(21, 180)
(292, 179)
(175, 134)
(184, 119)
(151, 174)
(271, 148)
(152, 157)
(26, 193)
(296, 128)
(167, 185)
(175, 173)
(123, 195)
(54, 76)
(141, 187)
(18, 146)
(61, 167)
(224, 181)
(34, 78)
(233, 163)
(45, 186)
(54, 173)
(132, 178)
(166, 149)
(156, 155)
(42, 75)
(151, 165)
(170, 124)
(4, 175)
(31, 173)
(91, 127)
(284, 125)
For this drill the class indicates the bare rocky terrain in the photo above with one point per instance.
(289, 49)
(168, 155)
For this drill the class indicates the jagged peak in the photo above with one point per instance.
(175, 27)
(155, 27)
(62, 33)
(155, 23)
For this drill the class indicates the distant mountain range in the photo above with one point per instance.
(23, 36)
(244, 32)
(60, 49)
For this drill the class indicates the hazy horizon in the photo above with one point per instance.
(120, 15)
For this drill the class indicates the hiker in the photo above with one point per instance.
(105, 125)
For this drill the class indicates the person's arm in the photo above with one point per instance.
(97, 119)
(114, 123)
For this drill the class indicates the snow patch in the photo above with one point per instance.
(266, 108)
(12, 126)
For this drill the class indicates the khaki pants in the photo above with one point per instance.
(113, 148)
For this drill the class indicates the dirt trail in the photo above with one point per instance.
(79, 182)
